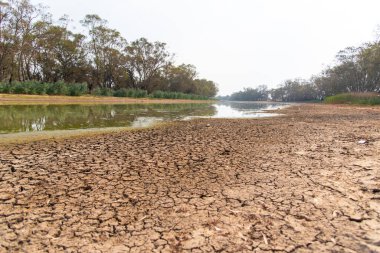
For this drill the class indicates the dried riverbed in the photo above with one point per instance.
(296, 183)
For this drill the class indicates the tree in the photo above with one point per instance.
(33, 47)
(251, 94)
(145, 60)
(180, 78)
(369, 60)
(294, 90)
(105, 48)
(4, 35)
(18, 31)
(206, 88)
(61, 54)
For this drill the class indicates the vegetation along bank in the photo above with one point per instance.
(41, 56)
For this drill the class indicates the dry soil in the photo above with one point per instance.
(296, 183)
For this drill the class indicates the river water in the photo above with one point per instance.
(35, 118)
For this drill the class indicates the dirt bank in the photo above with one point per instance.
(11, 99)
(297, 183)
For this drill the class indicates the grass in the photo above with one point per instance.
(370, 98)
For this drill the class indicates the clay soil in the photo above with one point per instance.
(296, 183)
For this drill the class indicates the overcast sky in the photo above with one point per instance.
(239, 43)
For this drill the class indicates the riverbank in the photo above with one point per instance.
(12, 99)
(306, 181)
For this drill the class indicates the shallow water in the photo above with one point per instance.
(35, 118)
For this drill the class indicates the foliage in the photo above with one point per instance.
(183, 79)
(250, 94)
(357, 71)
(106, 92)
(132, 93)
(35, 49)
(176, 95)
(145, 61)
(295, 90)
(37, 88)
(354, 98)
(77, 89)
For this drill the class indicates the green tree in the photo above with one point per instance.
(180, 78)
(105, 53)
(145, 61)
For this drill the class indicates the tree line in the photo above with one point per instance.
(35, 48)
(357, 69)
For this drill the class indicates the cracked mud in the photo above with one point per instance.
(296, 183)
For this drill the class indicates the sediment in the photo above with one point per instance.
(301, 182)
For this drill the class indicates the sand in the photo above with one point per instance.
(296, 183)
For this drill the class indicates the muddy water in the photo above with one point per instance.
(36, 118)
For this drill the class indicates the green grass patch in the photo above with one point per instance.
(370, 98)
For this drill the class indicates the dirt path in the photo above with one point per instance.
(298, 183)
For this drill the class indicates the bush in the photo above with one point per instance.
(40, 88)
(132, 93)
(77, 89)
(37, 88)
(34, 88)
(355, 98)
(19, 88)
(176, 95)
(102, 92)
(5, 88)
(137, 93)
(121, 93)
(58, 88)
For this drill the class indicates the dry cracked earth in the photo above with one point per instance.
(296, 183)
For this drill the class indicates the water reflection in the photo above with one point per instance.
(245, 109)
(27, 118)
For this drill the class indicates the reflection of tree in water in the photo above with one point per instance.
(21, 118)
(242, 106)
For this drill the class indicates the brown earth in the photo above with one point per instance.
(12, 99)
(297, 183)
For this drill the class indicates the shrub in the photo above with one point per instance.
(34, 87)
(176, 95)
(58, 88)
(98, 91)
(37, 88)
(40, 88)
(77, 89)
(4, 88)
(19, 88)
(355, 98)
(132, 93)
(121, 93)
(137, 93)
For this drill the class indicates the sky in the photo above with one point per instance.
(239, 43)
